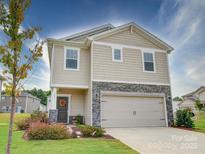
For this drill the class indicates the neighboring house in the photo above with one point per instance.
(26, 103)
(112, 76)
(175, 106)
(190, 98)
(43, 108)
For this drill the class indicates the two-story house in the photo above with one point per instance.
(190, 99)
(112, 76)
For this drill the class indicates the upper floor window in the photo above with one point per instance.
(72, 59)
(117, 54)
(148, 62)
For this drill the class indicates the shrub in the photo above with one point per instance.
(39, 115)
(198, 105)
(79, 119)
(89, 131)
(43, 131)
(23, 124)
(183, 118)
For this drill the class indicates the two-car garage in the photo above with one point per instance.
(129, 110)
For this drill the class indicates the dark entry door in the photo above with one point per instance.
(62, 106)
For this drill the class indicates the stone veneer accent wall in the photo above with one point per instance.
(124, 87)
(53, 115)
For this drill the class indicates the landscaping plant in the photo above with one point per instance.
(43, 131)
(198, 105)
(183, 118)
(39, 115)
(36, 116)
(79, 119)
(90, 131)
(23, 124)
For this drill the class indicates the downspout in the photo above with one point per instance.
(91, 83)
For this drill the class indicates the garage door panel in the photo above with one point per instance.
(129, 111)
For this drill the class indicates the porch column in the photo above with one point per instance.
(53, 98)
(53, 112)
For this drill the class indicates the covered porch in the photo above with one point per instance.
(68, 104)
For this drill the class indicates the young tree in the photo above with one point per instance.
(16, 62)
(198, 105)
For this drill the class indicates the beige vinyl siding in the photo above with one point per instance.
(77, 100)
(131, 69)
(69, 77)
(87, 107)
(202, 96)
(127, 38)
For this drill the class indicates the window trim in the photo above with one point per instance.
(78, 59)
(154, 65)
(121, 54)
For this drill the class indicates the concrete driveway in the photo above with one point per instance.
(160, 140)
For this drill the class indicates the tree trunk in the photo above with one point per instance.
(13, 104)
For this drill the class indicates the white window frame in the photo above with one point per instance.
(113, 54)
(153, 53)
(78, 60)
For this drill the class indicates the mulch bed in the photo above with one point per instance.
(74, 130)
(106, 136)
(189, 129)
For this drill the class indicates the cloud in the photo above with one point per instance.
(183, 23)
(195, 70)
(40, 77)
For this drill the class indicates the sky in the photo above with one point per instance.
(180, 23)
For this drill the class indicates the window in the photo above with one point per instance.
(148, 62)
(117, 54)
(72, 59)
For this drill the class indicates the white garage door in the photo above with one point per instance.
(132, 111)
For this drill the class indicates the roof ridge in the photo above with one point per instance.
(138, 27)
(195, 91)
(87, 31)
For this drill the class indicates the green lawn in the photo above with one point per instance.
(200, 123)
(68, 146)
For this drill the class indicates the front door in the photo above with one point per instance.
(62, 106)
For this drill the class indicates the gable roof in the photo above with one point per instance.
(133, 25)
(88, 33)
(84, 39)
(199, 90)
